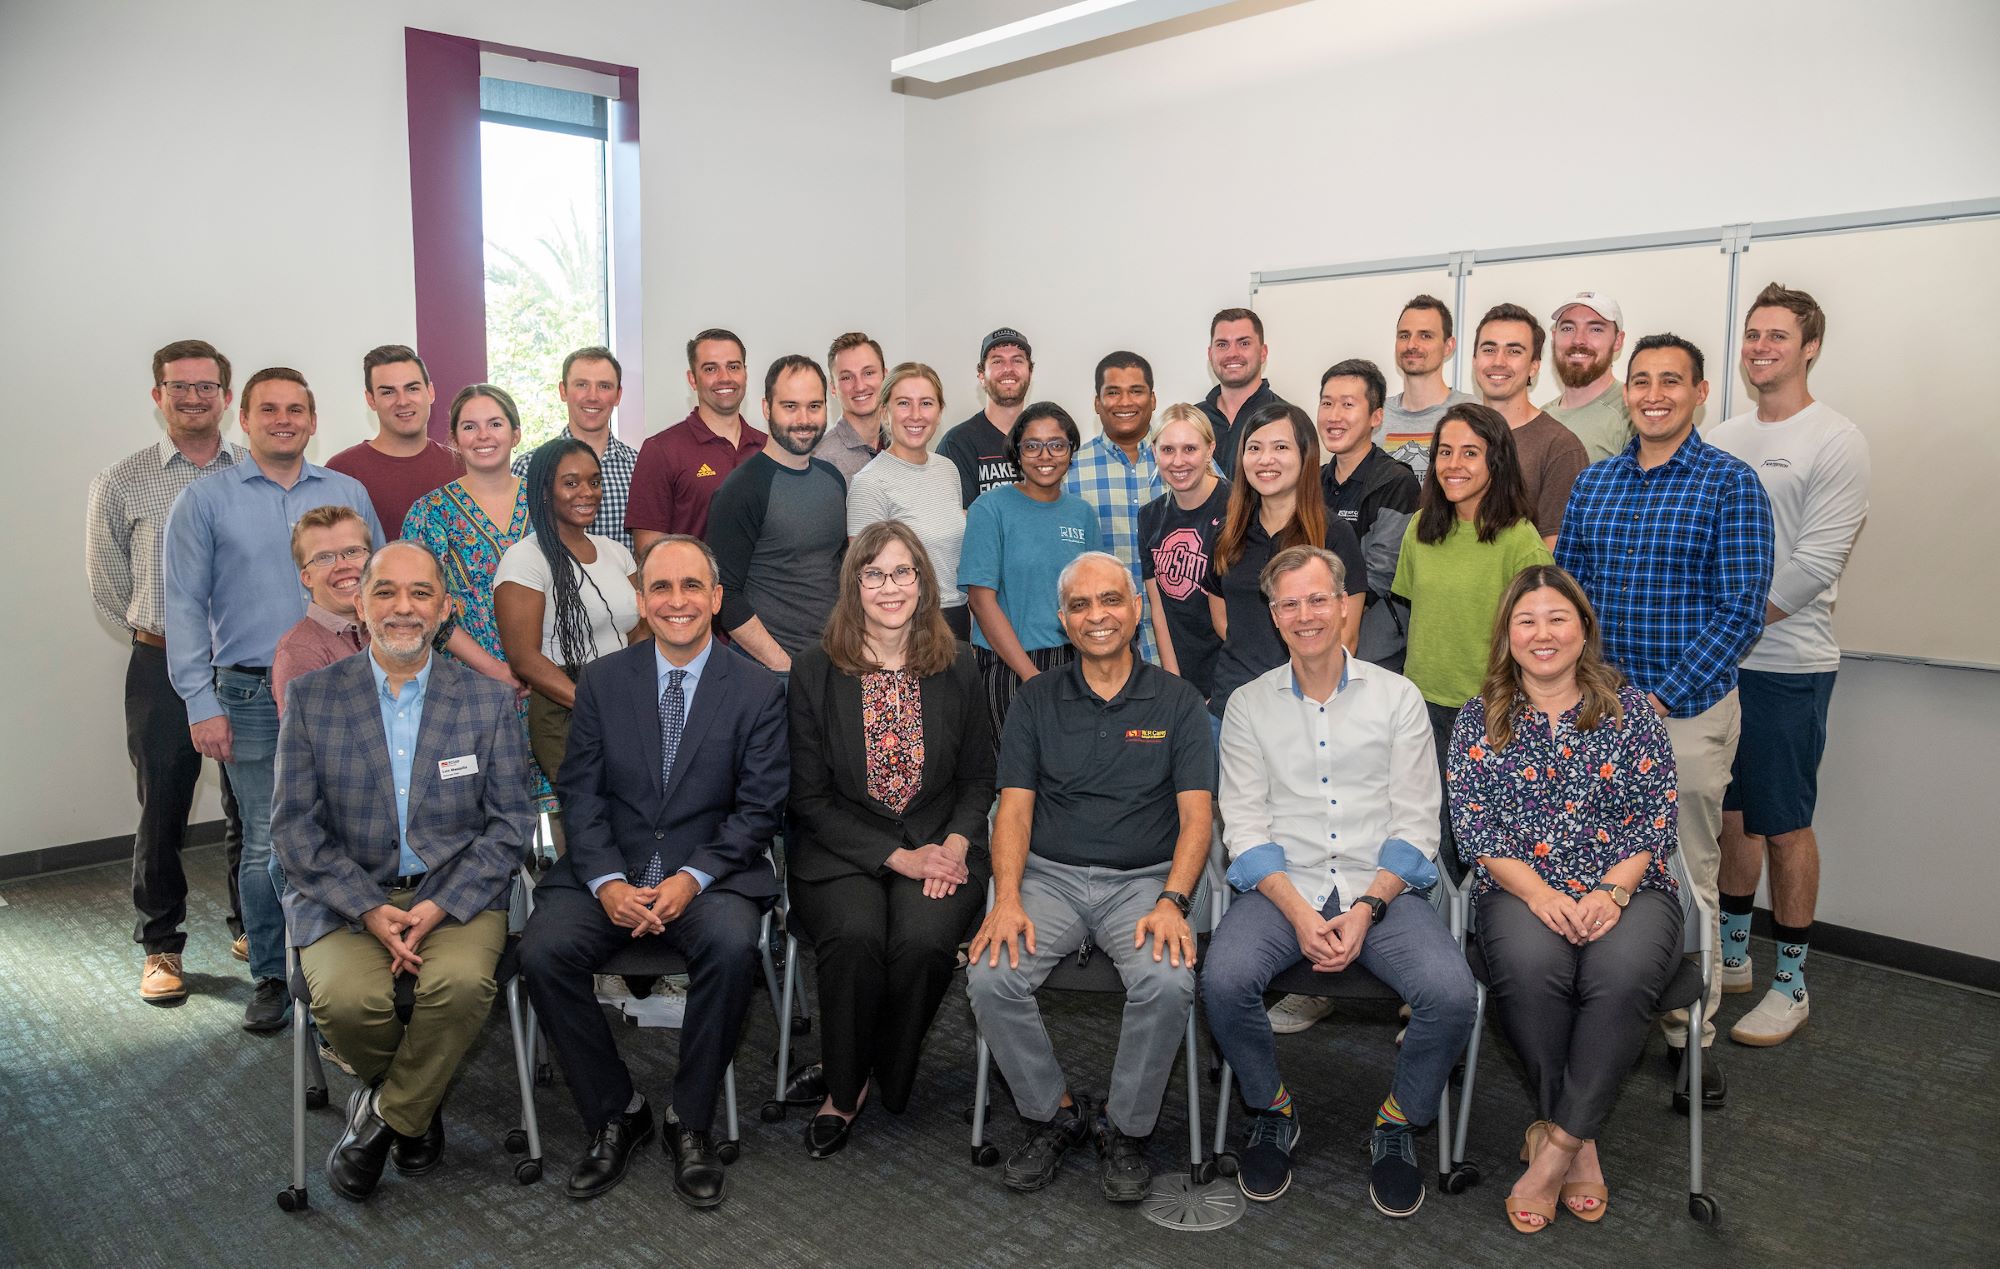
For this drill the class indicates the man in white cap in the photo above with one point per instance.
(1588, 331)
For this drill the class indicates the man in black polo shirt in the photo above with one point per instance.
(978, 446)
(1107, 777)
(1372, 492)
(1236, 356)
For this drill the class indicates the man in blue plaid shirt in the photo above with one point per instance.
(1672, 540)
(1115, 473)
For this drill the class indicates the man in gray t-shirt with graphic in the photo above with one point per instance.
(1424, 343)
(778, 524)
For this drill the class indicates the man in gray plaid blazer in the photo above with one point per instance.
(401, 814)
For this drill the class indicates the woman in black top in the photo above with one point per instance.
(1276, 502)
(892, 776)
(1176, 536)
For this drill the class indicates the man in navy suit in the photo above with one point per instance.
(401, 814)
(672, 787)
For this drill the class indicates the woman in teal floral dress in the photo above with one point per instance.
(469, 524)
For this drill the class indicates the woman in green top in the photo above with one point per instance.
(1472, 533)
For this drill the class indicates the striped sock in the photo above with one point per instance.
(1282, 1103)
(1390, 1115)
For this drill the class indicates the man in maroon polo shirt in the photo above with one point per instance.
(681, 467)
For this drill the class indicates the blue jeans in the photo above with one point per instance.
(253, 725)
(1410, 949)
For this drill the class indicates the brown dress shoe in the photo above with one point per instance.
(239, 947)
(160, 983)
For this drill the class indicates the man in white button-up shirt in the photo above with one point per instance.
(1329, 799)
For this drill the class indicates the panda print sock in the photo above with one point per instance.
(1736, 910)
(1793, 943)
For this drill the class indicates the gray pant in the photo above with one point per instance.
(1069, 904)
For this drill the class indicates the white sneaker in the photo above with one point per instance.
(1774, 1019)
(1294, 1014)
(1738, 978)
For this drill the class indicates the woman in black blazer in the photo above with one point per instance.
(892, 779)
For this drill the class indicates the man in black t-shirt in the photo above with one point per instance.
(1373, 493)
(1236, 356)
(978, 446)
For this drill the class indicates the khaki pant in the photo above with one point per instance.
(1704, 751)
(354, 1003)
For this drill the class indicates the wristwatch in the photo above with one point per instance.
(1179, 900)
(1619, 894)
(1377, 907)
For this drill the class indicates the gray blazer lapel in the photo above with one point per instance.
(364, 699)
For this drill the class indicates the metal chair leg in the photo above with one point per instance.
(984, 1153)
(1198, 1170)
(293, 1197)
(1471, 1073)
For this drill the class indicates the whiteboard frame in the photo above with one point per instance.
(1733, 240)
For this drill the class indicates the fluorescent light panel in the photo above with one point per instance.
(1061, 28)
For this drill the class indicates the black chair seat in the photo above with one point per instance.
(645, 958)
(1352, 983)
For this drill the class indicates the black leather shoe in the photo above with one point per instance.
(355, 1165)
(1714, 1089)
(697, 1172)
(826, 1135)
(603, 1165)
(414, 1156)
(807, 1086)
(268, 1006)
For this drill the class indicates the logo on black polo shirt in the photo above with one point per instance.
(1145, 735)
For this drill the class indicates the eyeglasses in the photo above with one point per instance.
(206, 389)
(902, 575)
(346, 555)
(1054, 449)
(1315, 603)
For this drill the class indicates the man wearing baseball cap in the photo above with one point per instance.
(978, 446)
(1588, 331)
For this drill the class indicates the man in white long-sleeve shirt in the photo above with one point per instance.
(1814, 466)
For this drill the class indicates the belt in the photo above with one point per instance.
(254, 671)
(408, 881)
(150, 639)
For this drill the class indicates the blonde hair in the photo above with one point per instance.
(1193, 416)
(913, 370)
(325, 518)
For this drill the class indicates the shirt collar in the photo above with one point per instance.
(1347, 667)
(1103, 444)
(248, 470)
(168, 452)
(1139, 685)
(694, 668)
(422, 681)
(850, 435)
(336, 623)
(1692, 450)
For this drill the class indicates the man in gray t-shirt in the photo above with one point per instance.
(778, 525)
(1424, 343)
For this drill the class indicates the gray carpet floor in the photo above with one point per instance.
(139, 1136)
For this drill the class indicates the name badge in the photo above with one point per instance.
(453, 768)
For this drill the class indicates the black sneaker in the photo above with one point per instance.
(1395, 1183)
(268, 1006)
(1121, 1163)
(1264, 1169)
(1035, 1163)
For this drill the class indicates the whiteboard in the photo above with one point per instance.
(1312, 324)
(1910, 319)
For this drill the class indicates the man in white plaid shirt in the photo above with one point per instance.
(1115, 473)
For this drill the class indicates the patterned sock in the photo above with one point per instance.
(1282, 1103)
(1793, 943)
(1390, 1115)
(1736, 928)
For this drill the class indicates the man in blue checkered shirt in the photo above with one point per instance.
(1115, 473)
(1672, 540)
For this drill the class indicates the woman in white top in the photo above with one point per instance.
(906, 482)
(563, 595)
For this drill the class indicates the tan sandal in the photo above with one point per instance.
(1585, 1189)
(1515, 1203)
(1532, 1140)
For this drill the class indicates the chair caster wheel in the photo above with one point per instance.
(292, 1199)
(544, 1075)
(985, 1156)
(528, 1171)
(1205, 1172)
(1704, 1209)
(516, 1141)
(802, 1026)
(729, 1151)
(1459, 1179)
(772, 1112)
(315, 1099)
(1225, 1163)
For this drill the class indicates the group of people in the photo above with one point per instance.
(1522, 650)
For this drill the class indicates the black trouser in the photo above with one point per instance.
(1578, 1016)
(959, 618)
(1443, 719)
(1002, 684)
(570, 936)
(168, 767)
(886, 955)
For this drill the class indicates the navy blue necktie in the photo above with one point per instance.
(673, 717)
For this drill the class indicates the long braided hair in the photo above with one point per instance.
(565, 570)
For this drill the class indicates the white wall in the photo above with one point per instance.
(239, 172)
(1119, 199)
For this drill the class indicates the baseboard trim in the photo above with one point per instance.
(1894, 953)
(105, 850)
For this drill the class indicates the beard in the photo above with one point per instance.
(800, 441)
(401, 644)
(1574, 376)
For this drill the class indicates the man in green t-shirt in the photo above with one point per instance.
(1588, 332)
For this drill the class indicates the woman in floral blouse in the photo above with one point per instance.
(892, 776)
(1561, 788)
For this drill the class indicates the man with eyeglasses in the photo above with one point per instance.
(1329, 800)
(124, 525)
(331, 546)
(232, 590)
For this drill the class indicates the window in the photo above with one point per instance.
(544, 204)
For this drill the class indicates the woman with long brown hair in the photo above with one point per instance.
(892, 776)
(1560, 780)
